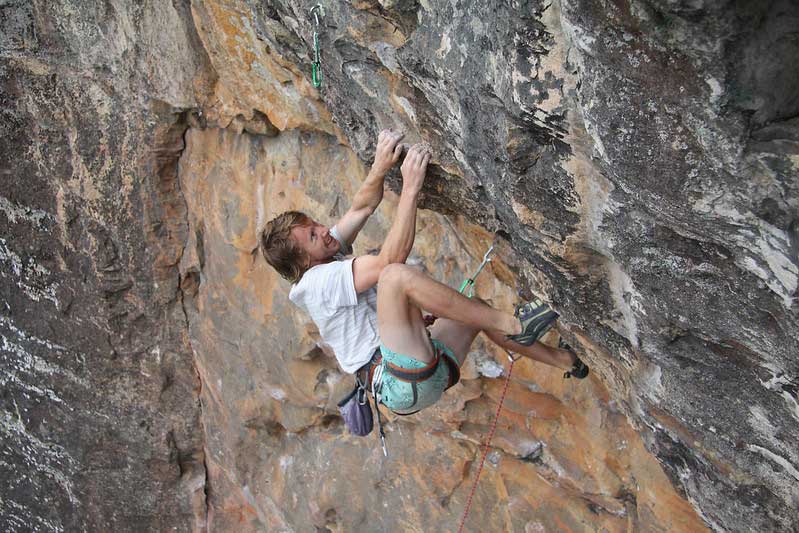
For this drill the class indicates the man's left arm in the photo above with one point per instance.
(370, 194)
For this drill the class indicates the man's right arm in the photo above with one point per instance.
(399, 241)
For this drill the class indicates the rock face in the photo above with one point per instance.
(642, 157)
(279, 457)
(639, 158)
(100, 426)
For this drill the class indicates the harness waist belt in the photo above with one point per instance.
(414, 375)
(408, 375)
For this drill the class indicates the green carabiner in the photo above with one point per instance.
(316, 74)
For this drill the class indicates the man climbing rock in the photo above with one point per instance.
(369, 308)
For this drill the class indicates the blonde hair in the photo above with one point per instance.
(279, 247)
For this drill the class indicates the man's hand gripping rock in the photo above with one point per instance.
(414, 169)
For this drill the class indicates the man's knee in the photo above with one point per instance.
(396, 275)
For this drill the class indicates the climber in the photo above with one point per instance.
(369, 308)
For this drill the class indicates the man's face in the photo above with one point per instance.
(317, 242)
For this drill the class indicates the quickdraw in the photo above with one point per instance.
(469, 282)
(316, 66)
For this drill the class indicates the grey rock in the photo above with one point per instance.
(99, 414)
(639, 156)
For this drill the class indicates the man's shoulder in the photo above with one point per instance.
(320, 274)
(338, 262)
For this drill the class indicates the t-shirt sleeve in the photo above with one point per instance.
(333, 283)
(346, 249)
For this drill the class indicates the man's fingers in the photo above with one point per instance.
(416, 155)
(426, 159)
(423, 150)
(397, 137)
(397, 153)
(392, 140)
(420, 162)
(384, 137)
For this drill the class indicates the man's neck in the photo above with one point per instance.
(321, 262)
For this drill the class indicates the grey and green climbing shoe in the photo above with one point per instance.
(536, 318)
(579, 369)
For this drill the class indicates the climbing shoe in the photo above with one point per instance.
(579, 369)
(536, 318)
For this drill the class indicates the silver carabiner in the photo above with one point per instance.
(486, 260)
(469, 283)
(316, 11)
(488, 254)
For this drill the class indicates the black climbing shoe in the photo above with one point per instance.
(579, 369)
(536, 318)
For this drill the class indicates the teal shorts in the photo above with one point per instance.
(399, 396)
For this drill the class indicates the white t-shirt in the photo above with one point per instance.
(347, 321)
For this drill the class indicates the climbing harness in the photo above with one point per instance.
(488, 441)
(418, 375)
(316, 66)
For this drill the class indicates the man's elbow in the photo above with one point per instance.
(389, 257)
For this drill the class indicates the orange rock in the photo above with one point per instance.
(562, 456)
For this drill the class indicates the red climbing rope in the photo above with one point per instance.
(487, 445)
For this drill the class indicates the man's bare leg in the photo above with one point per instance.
(538, 351)
(455, 336)
(403, 292)
(442, 301)
(459, 338)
